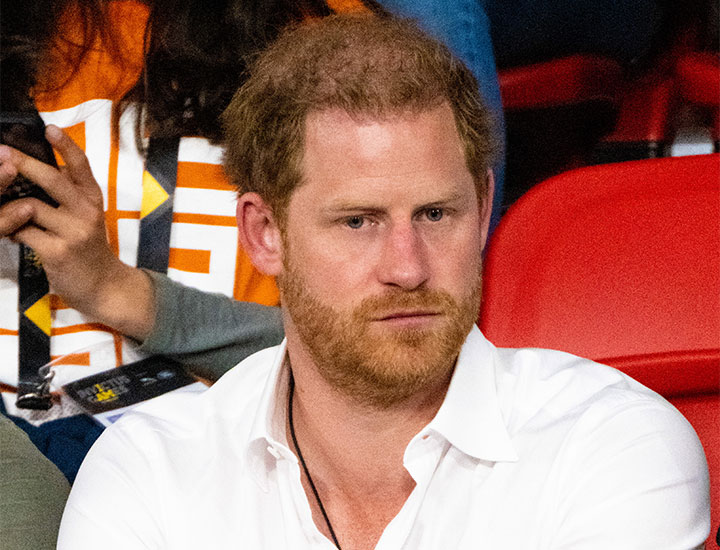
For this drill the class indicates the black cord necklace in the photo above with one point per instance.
(291, 393)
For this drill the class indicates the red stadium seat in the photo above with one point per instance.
(650, 102)
(620, 263)
(643, 125)
(610, 260)
(564, 81)
(699, 75)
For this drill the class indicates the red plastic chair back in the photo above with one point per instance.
(612, 260)
(699, 77)
(564, 81)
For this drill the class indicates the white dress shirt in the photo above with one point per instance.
(531, 449)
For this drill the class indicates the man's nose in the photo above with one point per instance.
(404, 258)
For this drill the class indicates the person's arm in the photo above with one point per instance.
(71, 240)
(208, 333)
(116, 501)
(636, 480)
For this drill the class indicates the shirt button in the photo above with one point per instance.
(273, 452)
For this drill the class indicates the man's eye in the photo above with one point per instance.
(355, 222)
(434, 214)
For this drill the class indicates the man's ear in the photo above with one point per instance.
(487, 207)
(259, 233)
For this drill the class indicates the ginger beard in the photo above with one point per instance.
(380, 366)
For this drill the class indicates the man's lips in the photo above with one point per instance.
(405, 314)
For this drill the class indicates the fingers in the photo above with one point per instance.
(67, 185)
(43, 175)
(64, 223)
(86, 190)
(8, 172)
(76, 162)
(40, 241)
(54, 233)
(13, 216)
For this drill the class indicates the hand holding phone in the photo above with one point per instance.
(59, 214)
(26, 133)
(70, 238)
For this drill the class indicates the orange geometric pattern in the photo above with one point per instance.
(193, 261)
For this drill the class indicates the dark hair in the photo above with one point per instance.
(362, 64)
(195, 53)
(28, 32)
(195, 58)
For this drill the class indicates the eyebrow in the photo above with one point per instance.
(364, 205)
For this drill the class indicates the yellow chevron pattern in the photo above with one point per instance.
(39, 313)
(153, 194)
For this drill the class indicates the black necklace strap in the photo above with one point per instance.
(156, 211)
(291, 393)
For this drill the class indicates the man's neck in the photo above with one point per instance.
(352, 442)
(354, 452)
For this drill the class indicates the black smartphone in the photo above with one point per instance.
(26, 133)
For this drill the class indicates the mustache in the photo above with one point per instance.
(430, 301)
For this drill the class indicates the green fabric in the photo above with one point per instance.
(208, 333)
(32, 493)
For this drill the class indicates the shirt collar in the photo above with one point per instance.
(267, 441)
(470, 417)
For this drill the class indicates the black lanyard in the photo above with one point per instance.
(156, 212)
(33, 333)
(159, 179)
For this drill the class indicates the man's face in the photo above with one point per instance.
(381, 259)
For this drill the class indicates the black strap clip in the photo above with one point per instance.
(36, 395)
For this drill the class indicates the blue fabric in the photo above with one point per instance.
(64, 441)
(464, 26)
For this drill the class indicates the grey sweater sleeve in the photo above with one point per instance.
(208, 333)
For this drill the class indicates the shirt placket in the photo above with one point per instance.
(421, 460)
(296, 508)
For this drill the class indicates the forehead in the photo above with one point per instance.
(406, 156)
